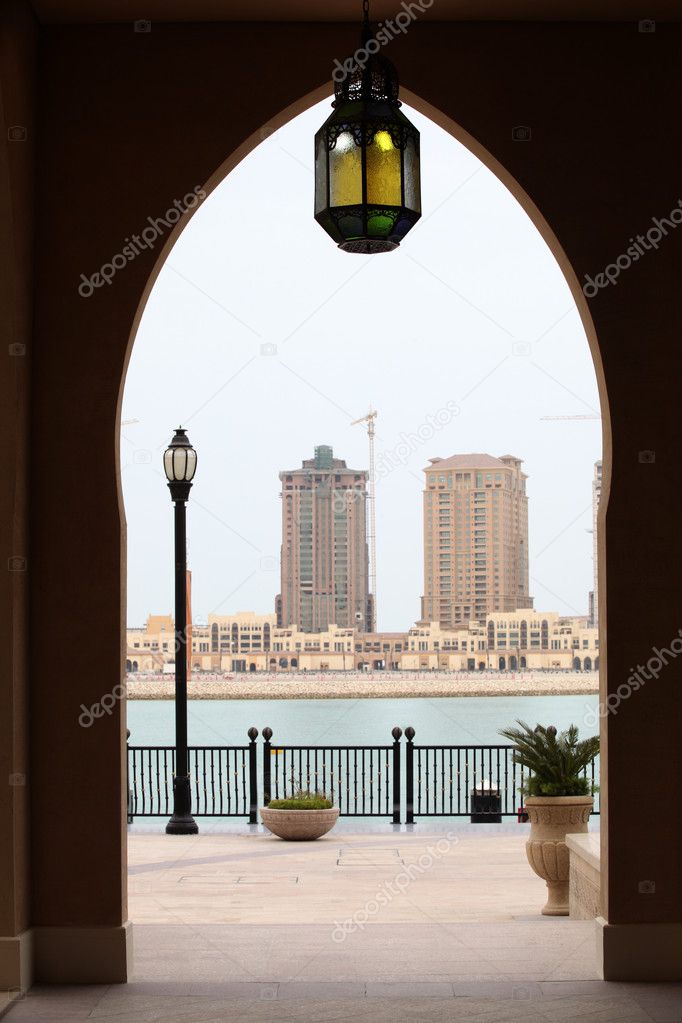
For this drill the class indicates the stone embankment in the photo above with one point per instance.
(349, 685)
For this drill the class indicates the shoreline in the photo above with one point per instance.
(360, 685)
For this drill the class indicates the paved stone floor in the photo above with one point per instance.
(436, 877)
(365, 926)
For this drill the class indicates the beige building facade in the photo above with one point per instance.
(504, 641)
(152, 646)
(226, 643)
(523, 640)
(475, 538)
(325, 559)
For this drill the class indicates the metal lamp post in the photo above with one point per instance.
(180, 463)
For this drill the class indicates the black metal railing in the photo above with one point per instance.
(481, 782)
(223, 779)
(477, 781)
(363, 781)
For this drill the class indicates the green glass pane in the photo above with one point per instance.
(383, 171)
(379, 225)
(345, 172)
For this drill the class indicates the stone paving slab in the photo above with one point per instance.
(228, 878)
(322, 1001)
(544, 950)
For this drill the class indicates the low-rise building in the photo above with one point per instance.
(541, 640)
(150, 647)
(521, 640)
(432, 646)
(232, 642)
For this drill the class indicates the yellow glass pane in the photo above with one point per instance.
(383, 171)
(345, 172)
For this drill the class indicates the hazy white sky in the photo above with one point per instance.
(263, 339)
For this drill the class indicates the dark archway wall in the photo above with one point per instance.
(129, 122)
(18, 44)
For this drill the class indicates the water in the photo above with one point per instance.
(459, 720)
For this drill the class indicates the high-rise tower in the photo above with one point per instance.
(475, 538)
(324, 561)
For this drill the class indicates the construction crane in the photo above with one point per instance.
(545, 418)
(369, 419)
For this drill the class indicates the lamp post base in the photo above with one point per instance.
(182, 824)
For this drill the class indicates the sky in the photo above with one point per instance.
(264, 340)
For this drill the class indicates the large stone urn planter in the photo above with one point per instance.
(551, 819)
(299, 825)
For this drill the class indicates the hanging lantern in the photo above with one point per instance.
(367, 184)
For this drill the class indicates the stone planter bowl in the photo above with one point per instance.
(551, 819)
(299, 825)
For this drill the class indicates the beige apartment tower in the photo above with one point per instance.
(325, 560)
(475, 538)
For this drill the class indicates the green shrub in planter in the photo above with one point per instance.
(556, 760)
(302, 801)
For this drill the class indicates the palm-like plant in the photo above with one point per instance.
(556, 760)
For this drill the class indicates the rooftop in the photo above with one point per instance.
(323, 461)
(472, 461)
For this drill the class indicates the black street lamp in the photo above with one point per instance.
(180, 463)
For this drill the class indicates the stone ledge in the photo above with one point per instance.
(587, 847)
(584, 884)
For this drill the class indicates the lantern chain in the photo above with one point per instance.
(366, 30)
